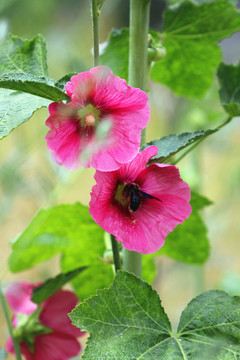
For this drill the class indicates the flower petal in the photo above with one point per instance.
(81, 88)
(55, 346)
(75, 143)
(129, 172)
(159, 179)
(18, 296)
(145, 229)
(55, 310)
(63, 138)
(113, 94)
(155, 221)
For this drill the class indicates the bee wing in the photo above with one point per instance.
(148, 196)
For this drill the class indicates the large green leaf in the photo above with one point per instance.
(127, 321)
(25, 56)
(49, 287)
(35, 85)
(171, 144)
(229, 78)
(17, 107)
(191, 33)
(70, 231)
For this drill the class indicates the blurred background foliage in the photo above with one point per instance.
(30, 180)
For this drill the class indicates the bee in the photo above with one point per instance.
(135, 196)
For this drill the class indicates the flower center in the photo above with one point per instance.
(90, 120)
(129, 195)
(120, 196)
(89, 115)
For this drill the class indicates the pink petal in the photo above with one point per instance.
(18, 296)
(124, 141)
(130, 171)
(154, 221)
(9, 346)
(81, 88)
(63, 138)
(55, 313)
(113, 94)
(163, 179)
(55, 346)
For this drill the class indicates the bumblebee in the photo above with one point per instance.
(135, 196)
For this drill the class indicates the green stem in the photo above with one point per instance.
(116, 255)
(9, 324)
(137, 77)
(95, 33)
(138, 44)
(198, 142)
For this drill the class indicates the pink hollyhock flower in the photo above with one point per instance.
(140, 205)
(45, 332)
(101, 125)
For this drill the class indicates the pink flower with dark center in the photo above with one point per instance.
(101, 125)
(45, 332)
(140, 205)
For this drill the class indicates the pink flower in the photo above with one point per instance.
(101, 125)
(140, 205)
(46, 332)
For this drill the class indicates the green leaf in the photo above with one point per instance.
(229, 79)
(49, 287)
(16, 108)
(191, 33)
(188, 242)
(129, 322)
(172, 144)
(27, 56)
(70, 231)
(210, 326)
(125, 319)
(3, 354)
(35, 85)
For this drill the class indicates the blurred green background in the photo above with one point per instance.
(30, 180)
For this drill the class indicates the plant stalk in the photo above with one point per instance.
(116, 255)
(137, 77)
(9, 324)
(94, 11)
